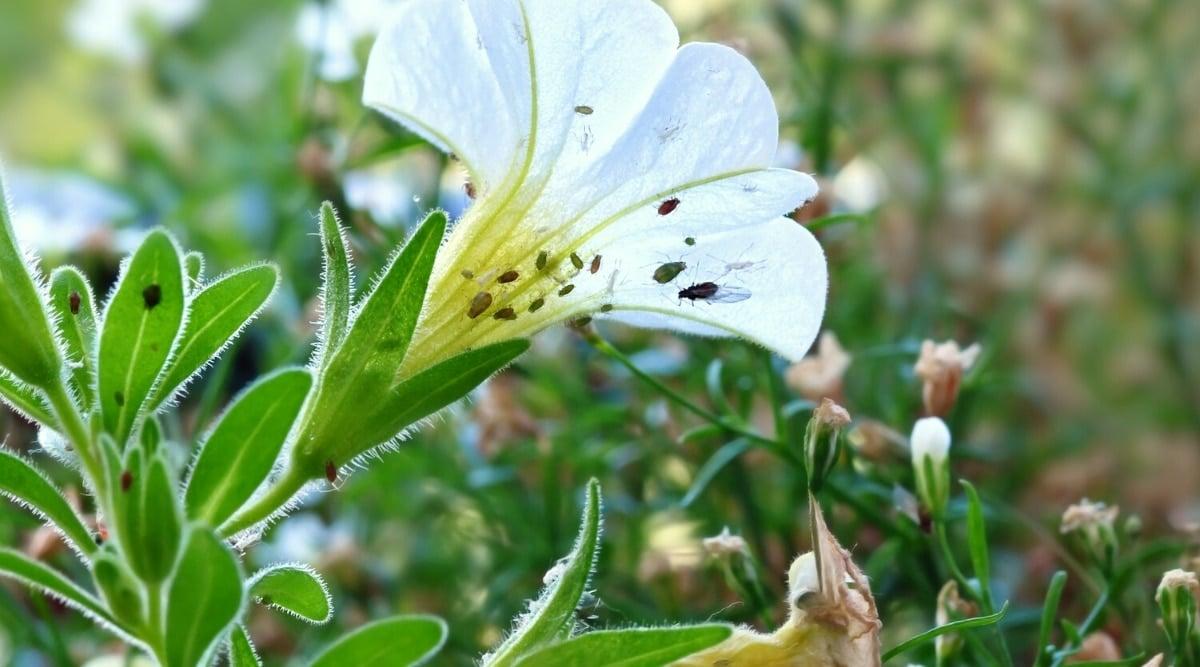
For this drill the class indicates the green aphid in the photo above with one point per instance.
(667, 272)
(542, 259)
(691, 240)
(537, 305)
(576, 261)
(567, 289)
(606, 308)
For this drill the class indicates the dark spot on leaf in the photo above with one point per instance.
(99, 539)
(537, 305)
(479, 303)
(119, 398)
(667, 207)
(508, 276)
(74, 301)
(330, 472)
(567, 289)
(152, 296)
(576, 262)
(265, 600)
(505, 314)
(126, 481)
(595, 264)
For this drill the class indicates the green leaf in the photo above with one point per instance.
(16, 565)
(217, 315)
(977, 543)
(1049, 613)
(633, 647)
(118, 587)
(75, 311)
(204, 599)
(715, 464)
(25, 400)
(295, 589)
(148, 515)
(953, 626)
(27, 347)
(141, 323)
(414, 399)
(337, 284)
(241, 650)
(400, 641)
(193, 268)
(553, 614)
(364, 367)
(238, 455)
(27, 486)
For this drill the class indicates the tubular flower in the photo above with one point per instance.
(614, 174)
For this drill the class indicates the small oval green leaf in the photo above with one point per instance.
(141, 323)
(148, 515)
(633, 647)
(27, 486)
(400, 641)
(241, 450)
(553, 613)
(294, 589)
(337, 284)
(217, 315)
(204, 599)
(75, 311)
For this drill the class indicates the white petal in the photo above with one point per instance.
(778, 263)
(711, 117)
(429, 70)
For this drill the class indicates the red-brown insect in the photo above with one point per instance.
(126, 480)
(330, 472)
(667, 207)
(151, 296)
(508, 276)
(469, 188)
(595, 264)
(481, 302)
(74, 301)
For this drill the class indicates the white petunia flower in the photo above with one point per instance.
(616, 174)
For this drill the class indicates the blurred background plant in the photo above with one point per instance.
(1021, 175)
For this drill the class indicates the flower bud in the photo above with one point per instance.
(930, 446)
(821, 441)
(1176, 597)
(941, 368)
(1093, 523)
(951, 607)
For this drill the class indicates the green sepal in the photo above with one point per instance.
(118, 587)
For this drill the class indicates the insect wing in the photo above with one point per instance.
(729, 295)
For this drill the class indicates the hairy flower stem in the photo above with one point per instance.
(278, 495)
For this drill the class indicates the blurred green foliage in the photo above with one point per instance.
(1023, 174)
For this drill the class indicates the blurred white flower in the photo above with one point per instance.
(615, 175)
(930, 445)
(330, 30)
(930, 437)
(860, 186)
(115, 27)
(58, 212)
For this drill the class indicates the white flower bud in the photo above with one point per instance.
(930, 446)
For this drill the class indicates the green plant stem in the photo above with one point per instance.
(77, 433)
(153, 630)
(280, 493)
